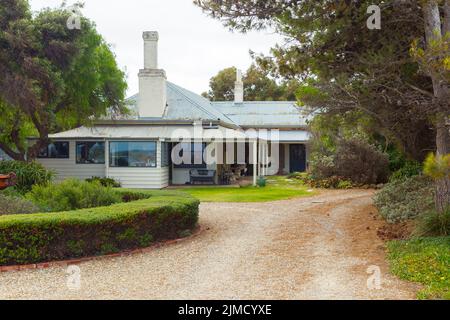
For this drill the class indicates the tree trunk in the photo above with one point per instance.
(433, 32)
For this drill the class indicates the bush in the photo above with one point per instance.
(333, 182)
(433, 224)
(405, 199)
(410, 169)
(40, 237)
(16, 205)
(72, 194)
(106, 182)
(28, 174)
(353, 160)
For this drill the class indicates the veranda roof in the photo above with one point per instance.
(153, 132)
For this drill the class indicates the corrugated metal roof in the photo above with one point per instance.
(263, 113)
(148, 132)
(280, 135)
(185, 105)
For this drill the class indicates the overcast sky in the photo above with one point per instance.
(192, 46)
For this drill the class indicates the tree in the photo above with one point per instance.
(258, 86)
(438, 49)
(345, 66)
(52, 78)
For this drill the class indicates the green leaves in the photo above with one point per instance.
(437, 166)
(52, 78)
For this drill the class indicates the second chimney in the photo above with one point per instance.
(239, 88)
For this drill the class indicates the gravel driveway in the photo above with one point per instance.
(305, 248)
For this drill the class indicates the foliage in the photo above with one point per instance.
(52, 78)
(28, 174)
(39, 237)
(333, 182)
(258, 86)
(354, 160)
(278, 188)
(16, 205)
(343, 65)
(423, 260)
(437, 167)
(106, 182)
(410, 169)
(434, 224)
(405, 199)
(72, 194)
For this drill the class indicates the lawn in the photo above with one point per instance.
(426, 261)
(278, 188)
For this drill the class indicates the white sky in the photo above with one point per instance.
(192, 47)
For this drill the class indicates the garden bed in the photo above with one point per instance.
(41, 237)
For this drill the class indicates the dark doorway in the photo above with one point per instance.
(297, 158)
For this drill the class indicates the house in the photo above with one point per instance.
(174, 136)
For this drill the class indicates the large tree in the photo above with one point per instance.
(346, 66)
(51, 77)
(258, 86)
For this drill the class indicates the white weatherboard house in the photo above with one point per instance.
(138, 151)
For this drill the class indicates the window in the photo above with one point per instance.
(55, 150)
(132, 154)
(90, 152)
(165, 154)
(196, 158)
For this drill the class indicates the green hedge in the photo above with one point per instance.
(43, 237)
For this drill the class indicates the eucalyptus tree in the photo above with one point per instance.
(52, 77)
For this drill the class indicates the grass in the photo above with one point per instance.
(423, 260)
(278, 188)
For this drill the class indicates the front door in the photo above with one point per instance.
(297, 158)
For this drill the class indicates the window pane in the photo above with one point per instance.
(133, 154)
(91, 152)
(55, 150)
(165, 156)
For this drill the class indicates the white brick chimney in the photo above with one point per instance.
(238, 88)
(152, 81)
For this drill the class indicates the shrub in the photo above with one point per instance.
(28, 174)
(433, 224)
(106, 182)
(16, 205)
(64, 235)
(72, 194)
(437, 167)
(361, 162)
(354, 160)
(333, 182)
(410, 169)
(405, 199)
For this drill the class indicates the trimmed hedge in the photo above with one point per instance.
(40, 237)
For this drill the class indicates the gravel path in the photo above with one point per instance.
(306, 248)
